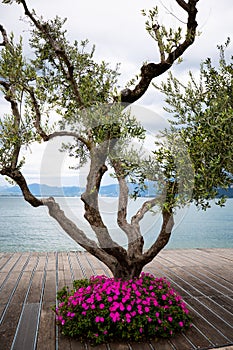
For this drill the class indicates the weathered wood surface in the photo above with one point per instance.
(29, 281)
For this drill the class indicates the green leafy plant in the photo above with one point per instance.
(102, 309)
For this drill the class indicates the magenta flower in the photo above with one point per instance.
(129, 307)
(115, 316)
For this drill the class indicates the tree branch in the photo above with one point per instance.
(9, 96)
(17, 176)
(58, 50)
(152, 70)
(76, 234)
(143, 210)
(135, 239)
(41, 132)
(90, 199)
(4, 36)
(163, 238)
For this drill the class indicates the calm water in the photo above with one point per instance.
(23, 228)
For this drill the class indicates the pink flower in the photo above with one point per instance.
(181, 324)
(128, 318)
(101, 306)
(99, 319)
(122, 308)
(141, 330)
(170, 318)
(115, 316)
(164, 297)
(129, 307)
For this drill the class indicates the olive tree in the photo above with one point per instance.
(64, 77)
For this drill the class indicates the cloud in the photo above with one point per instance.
(118, 30)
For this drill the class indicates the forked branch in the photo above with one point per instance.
(152, 70)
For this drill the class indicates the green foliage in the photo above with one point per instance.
(167, 39)
(203, 116)
(43, 85)
(103, 309)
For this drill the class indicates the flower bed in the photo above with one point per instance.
(103, 309)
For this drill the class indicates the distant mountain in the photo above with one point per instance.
(43, 191)
(75, 191)
(70, 191)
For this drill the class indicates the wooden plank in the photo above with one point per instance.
(140, 346)
(46, 336)
(77, 272)
(225, 315)
(214, 336)
(225, 330)
(203, 278)
(224, 301)
(216, 282)
(199, 286)
(12, 313)
(119, 346)
(86, 268)
(197, 338)
(34, 295)
(97, 266)
(181, 342)
(25, 336)
(7, 267)
(162, 344)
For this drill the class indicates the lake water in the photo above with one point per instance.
(24, 228)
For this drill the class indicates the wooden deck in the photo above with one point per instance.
(29, 281)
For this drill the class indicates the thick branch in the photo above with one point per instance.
(135, 239)
(90, 199)
(152, 70)
(17, 176)
(163, 238)
(76, 234)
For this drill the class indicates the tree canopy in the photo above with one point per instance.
(203, 116)
(64, 78)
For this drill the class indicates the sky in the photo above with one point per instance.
(117, 29)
